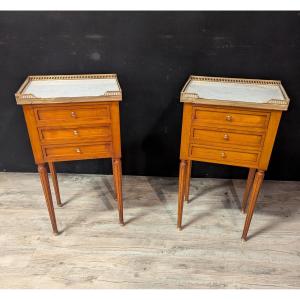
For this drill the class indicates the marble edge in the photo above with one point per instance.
(271, 104)
(22, 99)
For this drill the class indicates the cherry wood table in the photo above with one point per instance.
(229, 121)
(72, 117)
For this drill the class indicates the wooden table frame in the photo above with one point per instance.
(107, 145)
(258, 155)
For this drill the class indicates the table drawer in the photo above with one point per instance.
(77, 151)
(230, 118)
(224, 156)
(51, 135)
(227, 137)
(72, 114)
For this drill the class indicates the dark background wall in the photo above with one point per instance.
(153, 54)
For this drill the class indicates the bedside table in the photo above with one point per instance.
(72, 117)
(229, 121)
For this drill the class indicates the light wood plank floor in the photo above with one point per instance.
(93, 251)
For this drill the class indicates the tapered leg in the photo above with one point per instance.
(55, 183)
(249, 183)
(181, 190)
(117, 173)
(47, 192)
(258, 180)
(187, 180)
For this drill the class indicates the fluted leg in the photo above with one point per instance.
(47, 192)
(187, 180)
(249, 183)
(55, 183)
(258, 180)
(117, 173)
(181, 190)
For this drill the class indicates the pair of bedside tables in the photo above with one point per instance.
(225, 120)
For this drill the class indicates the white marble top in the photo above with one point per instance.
(228, 91)
(71, 87)
(238, 92)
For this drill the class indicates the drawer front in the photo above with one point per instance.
(75, 134)
(224, 156)
(227, 137)
(229, 118)
(72, 114)
(77, 151)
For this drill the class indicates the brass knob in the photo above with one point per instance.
(229, 118)
(226, 137)
(75, 132)
(78, 150)
(73, 114)
(223, 154)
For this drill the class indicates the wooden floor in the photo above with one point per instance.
(93, 251)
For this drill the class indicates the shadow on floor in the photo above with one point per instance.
(269, 202)
(283, 205)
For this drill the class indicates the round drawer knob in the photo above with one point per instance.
(73, 114)
(223, 154)
(226, 137)
(228, 118)
(78, 150)
(75, 132)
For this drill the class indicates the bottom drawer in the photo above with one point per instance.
(224, 156)
(76, 151)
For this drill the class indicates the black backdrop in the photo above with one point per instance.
(153, 54)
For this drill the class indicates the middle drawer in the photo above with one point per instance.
(71, 134)
(227, 137)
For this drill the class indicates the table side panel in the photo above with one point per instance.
(270, 139)
(186, 130)
(33, 133)
(115, 130)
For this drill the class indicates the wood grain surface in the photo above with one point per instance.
(94, 251)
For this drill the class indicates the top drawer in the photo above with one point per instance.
(230, 117)
(73, 114)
